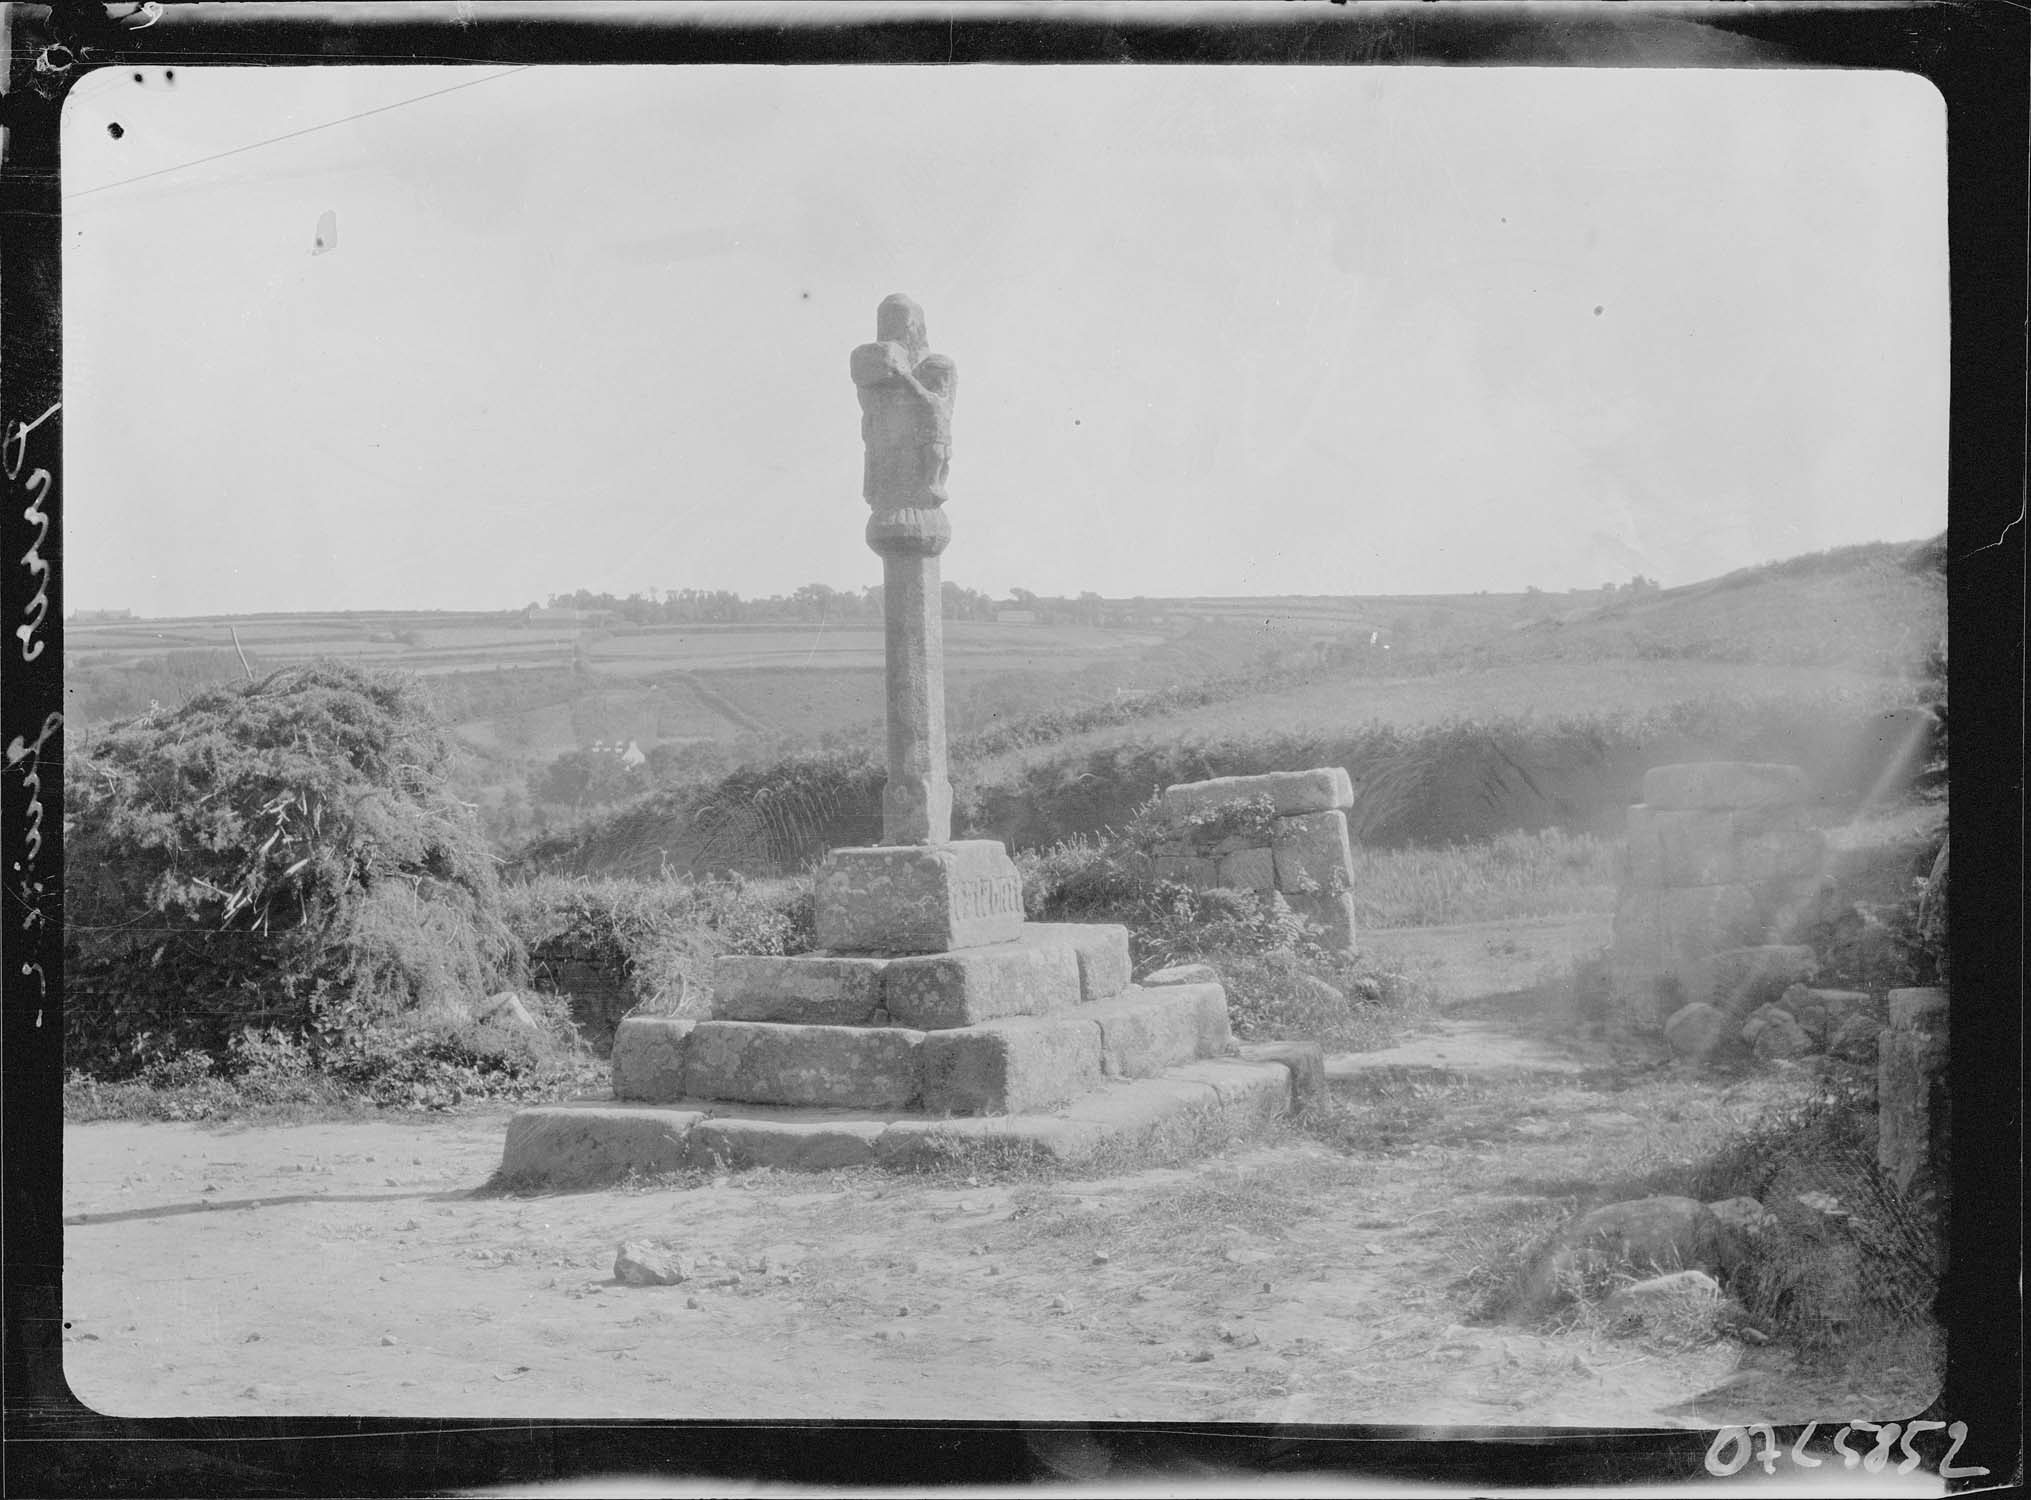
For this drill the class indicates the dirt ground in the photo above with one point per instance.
(349, 1268)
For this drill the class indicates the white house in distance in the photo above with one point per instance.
(630, 754)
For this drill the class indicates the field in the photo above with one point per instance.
(1061, 727)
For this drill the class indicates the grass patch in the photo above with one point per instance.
(1542, 873)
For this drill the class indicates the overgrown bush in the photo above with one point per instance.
(285, 853)
(1281, 983)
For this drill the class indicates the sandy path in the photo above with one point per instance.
(347, 1269)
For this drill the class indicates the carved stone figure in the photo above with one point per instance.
(906, 395)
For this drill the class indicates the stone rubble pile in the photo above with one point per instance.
(1303, 855)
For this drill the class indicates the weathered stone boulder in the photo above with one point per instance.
(1649, 1235)
(1855, 1040)
(926, 898)
(1748, 1219)
(1738, 980)
(1690, 1291)
(1696, 1031)
(640, 1264)
(762, 1062)
(1782, 1037)
(505, 1009)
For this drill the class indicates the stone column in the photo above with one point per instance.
(906, 394)
(917, 801)
(919, 890)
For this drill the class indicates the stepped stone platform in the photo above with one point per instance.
(933, 1016)
(1038, 1043)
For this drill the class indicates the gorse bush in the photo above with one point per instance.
(287, 852)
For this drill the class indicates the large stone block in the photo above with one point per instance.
(1007, 1067)
(574, 1146)
(918, 898)
(765, 1062)
(785, 1145)
(1102, 949)
(1248, 870)
(1146, 1031)
(1723, 784)
(1672, 848)
(1312, 853)
(1737, 980)
(1288, 791)
(648, 1058)
(813, 989)
(1918, 1009)
(1912, 1116)
(933, 991)
(1332, 911)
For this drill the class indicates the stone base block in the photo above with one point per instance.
(785, 1145)
(1312, 852)
(1289, 791)
(810, 989)
(1912, 1118)
(1304, 1061)
(763, 1062)
(1008, 1067)
(1102, 949)
(648, 1058)
(1035, 976)
(1248, 870)
(1146, 1031)
(1333, 911)
(1246, 1091)
(576, 1146)
(918, 898)
(1123, 1115)
(1724, 783)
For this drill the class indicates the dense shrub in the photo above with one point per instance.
(286, 853)
(1281, 984)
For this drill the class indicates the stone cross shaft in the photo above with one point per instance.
(906, 395)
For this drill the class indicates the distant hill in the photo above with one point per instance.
(1528, 710)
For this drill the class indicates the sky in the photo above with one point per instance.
(1219, 330)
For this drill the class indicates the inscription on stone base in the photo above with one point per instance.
(928, 898)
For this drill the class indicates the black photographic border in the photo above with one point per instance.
(1974, 51)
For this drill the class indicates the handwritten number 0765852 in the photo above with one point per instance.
(1733, 1447)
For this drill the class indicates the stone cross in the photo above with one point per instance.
(906, 397)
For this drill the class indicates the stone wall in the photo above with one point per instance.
(1719, 856)
(597, 979)
(1282, 834)
(1911, 1099)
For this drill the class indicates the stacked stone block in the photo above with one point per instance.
(1303, 855)
(1911, 1098)
(1719, 856)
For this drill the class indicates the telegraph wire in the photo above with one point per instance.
(379, 109)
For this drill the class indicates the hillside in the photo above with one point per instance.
(1532, 723)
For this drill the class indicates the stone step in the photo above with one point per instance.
(590, 1143)
(1008, 1065)
(1046, 969)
